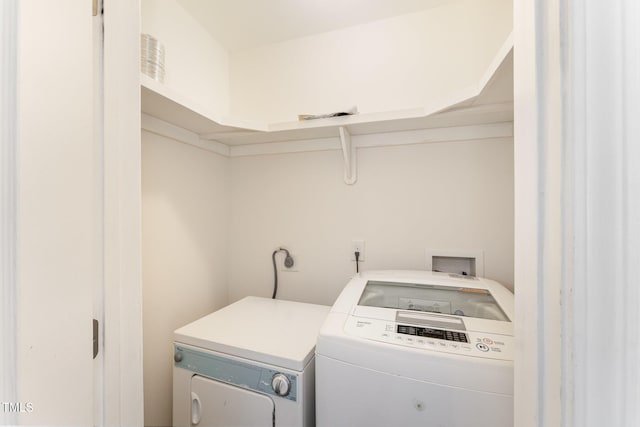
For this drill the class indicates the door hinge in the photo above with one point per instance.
(95, 338)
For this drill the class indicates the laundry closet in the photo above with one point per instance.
(230, 173)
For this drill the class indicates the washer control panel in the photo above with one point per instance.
(462, 342)
(441, 334)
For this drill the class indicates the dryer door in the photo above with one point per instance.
(216, 404)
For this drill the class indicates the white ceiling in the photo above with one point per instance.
(241, 24)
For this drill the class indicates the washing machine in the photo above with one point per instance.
(249, 364)
(417, 348)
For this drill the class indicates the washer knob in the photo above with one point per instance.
(177, 356)
(280, 384)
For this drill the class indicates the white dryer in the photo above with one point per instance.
(416, 348)
(248, 364)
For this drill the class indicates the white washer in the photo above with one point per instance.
(248, 364)
(403, 348)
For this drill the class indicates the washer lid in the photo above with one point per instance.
(276, 332)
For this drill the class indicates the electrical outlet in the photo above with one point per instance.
(357, 246)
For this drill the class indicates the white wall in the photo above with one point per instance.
(451, 196)
(403, 62)
(196, 65)
(185, 214)
(8, 199)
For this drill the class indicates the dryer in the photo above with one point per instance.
(417, 348)
(248, 364)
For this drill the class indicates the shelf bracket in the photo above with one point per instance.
(349, 155)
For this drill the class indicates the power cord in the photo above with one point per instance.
(357, 255)
(288, 262)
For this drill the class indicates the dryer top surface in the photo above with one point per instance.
(276, 332)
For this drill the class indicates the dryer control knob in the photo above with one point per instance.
(280, 384)
(177, 356)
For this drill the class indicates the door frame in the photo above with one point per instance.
(123, 382)
(577, 210)
(538, 209)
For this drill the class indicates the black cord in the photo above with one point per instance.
(288, 262)
(275, 275)
(357, 254)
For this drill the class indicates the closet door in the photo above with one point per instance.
(58, 212)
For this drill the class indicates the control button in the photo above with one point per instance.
(487, 341)
(482, 347)
(280, 384)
